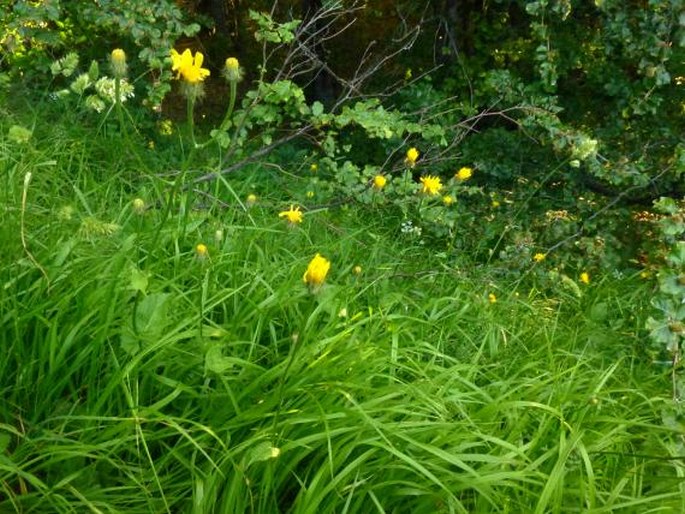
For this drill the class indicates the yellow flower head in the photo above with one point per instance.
(492, 298)
(316, 271)
(379, 182)
(118, 55)
(431, 185)
(585, 277)
(310, 194)
(313, 167)
(232, 70)
(201, 251)
(294, 215)
(448, 200)
(412, 155)
(464, 174)
(232, 63)
(251, 199)
(188, 67)
(495, 204)
(539, 257)
(357, 270)
(118, 60)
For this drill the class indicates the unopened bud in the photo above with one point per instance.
(118, 59)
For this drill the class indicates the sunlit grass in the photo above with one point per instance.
(142, 376)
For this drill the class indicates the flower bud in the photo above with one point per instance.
(201, 251)
(138, 206)
(118, 60)
(232, 70)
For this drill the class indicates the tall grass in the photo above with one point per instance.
(137, 376)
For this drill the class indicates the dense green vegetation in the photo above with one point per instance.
(229, 285)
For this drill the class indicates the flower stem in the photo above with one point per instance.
(117, 103)
(231, 104)
(191, 119)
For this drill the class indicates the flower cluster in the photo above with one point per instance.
(431, 185)
(106, 89)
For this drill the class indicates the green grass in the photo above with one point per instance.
(137, 377)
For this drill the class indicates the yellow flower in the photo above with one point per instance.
(464, 174)
(251, 199)
(447, 200)
(585, 277)
(539, 257)
(379, 182)
(232, 63)
(310, 194)
(431, 185)
(495, 204)
(232, 70)
(316, 271)
(492, 298)
(412, 155)
(313, 167)
(294, 215)
(357, 270)
(118, 55)
(201, 251)
(118, 60)
(408, 74)
(188, 67)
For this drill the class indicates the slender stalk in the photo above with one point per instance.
(118, 106)
(191, 118)
(231, 104)
(180, 179)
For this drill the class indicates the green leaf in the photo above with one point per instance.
(5, 440)
(261, 452)
(676, 256)
(130, 343)
(139, 280)
(152, 315)
(215, 361)
(317, 108)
